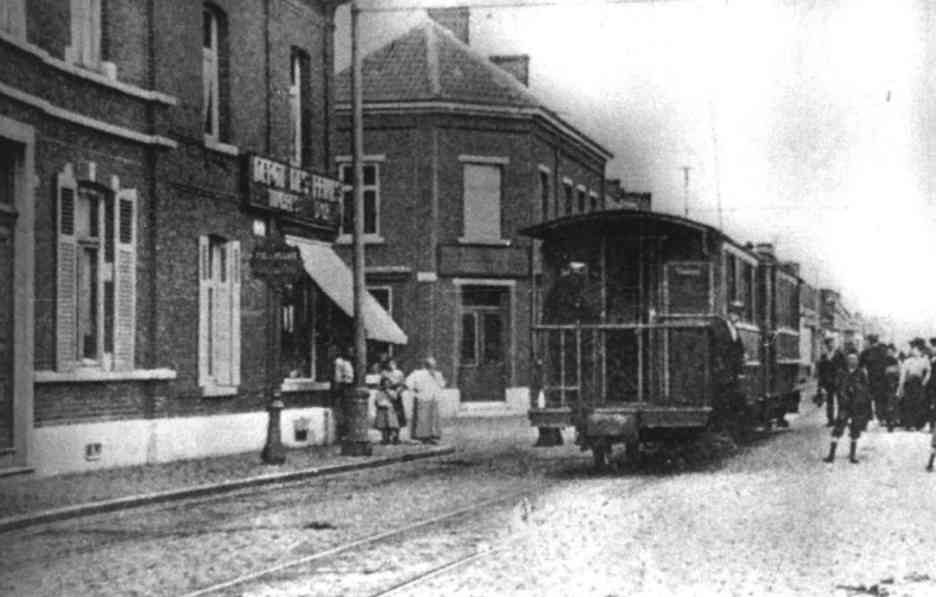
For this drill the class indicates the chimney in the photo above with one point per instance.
(764, 250)
(516, 64)
(792, 267)
(454, 18)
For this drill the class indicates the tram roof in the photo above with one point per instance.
(607, 221)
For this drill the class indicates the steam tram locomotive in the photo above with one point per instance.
(631, 341)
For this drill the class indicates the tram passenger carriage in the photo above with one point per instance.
(631, 341)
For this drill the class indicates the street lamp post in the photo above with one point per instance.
(356, 442)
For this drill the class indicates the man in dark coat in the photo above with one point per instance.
(854, 407)
(831, 361)
(874, 360)
(729, 364)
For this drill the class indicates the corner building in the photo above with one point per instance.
(145, 149)
(460, 156)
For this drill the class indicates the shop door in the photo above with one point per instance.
(7, 221)
(484, 353)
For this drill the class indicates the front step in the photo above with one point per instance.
(487, 409)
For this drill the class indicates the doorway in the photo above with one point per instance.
(9, 153)
(484, 343)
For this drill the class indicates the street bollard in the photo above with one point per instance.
(356, 442)
(273, 451)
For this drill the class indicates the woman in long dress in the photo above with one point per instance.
(426, 384)
(914, 374)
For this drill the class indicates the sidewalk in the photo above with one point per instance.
(28, 499)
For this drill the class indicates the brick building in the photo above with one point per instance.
(459, 156)
(145, 149)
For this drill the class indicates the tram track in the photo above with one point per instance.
(363, 542)
(407, 575)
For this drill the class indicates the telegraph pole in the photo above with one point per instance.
(356, 442)
(685, 170)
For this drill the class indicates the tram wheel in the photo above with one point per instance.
(601, 453)
(632, 451)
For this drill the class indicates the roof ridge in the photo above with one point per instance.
(432, 59)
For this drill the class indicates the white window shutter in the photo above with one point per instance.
(66, 277)
(234, 282)
(125, 210)
(204, 312)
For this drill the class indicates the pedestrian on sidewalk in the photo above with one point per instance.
(931, 386)
(342, 384)
(874, 360)
(426, 383)
(854, 407)
(914, 375)
(892, 377)
(398, 388)
(831, 362)
(391, 384)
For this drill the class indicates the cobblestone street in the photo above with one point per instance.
(769, 519)
(773, 520)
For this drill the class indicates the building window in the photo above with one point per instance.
(219, 313)
(378, 350)
(214, 95)
(13, 18)
(568, 193)
(371, 186)
(482, 202)
(85, 46)
(581, 200)
(96, 281)
(545, 194)
(595, 206)
(299, 114)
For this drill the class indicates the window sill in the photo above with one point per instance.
(225, 148)
(369, 239)
(747, 326)
(213, 391)
(97, 375)
(487, 242)
(91, 75)
(303, 384)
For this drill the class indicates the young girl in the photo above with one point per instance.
(386, 420)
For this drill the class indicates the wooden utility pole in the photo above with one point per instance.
(355, 442)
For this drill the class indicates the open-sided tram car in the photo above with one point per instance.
(631, 340)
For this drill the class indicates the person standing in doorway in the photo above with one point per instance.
(831, 362)
(426, 383)
(854, 407)
(342, 384)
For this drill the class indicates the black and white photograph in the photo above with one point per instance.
(539, 298)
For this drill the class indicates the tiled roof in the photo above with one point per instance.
(429, 63)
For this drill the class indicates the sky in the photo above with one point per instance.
(799, 120)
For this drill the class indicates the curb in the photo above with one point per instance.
(20, 521)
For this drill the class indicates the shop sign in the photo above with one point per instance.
(295, 192)
(276, 262)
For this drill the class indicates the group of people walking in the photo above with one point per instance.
(897, 389)
(425, 384)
